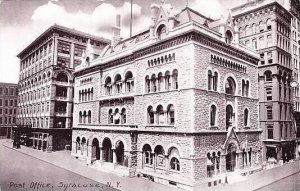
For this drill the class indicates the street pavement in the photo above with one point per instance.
(31, 165)
(290, 183)
(23, 172)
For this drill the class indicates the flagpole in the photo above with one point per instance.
(131, 18)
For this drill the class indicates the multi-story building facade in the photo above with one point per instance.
(8, 108)
(176, 103)
(46, 85)
(265, 26)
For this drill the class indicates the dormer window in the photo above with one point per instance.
(228, 37)
(161, 32)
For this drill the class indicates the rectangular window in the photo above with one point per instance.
(63, 61)
(6, 102)
(11, 102)
(269, 93)
(269, 112)
(1, 90)
(0, 110)
(0, 120)
(0, 102)
(11, 91)
(78, 50)
(270, 132)
(63, 48)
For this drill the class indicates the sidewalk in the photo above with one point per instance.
(64, 160)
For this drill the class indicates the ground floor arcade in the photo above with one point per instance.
(169, 158)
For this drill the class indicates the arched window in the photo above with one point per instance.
(89, 116)
(209, 80)
(108, 86)
(148, 158)
(268, 76)
(213, 113)
(171, 115)
(168, 80)
(174, 164)
(129, 81)
(230, 86)
(160, 81)
(123, 116)
(161, 32)
(254, 31)
(150, 115)
(160, 156)
(80, 117)
(215, 81)
(175, 79)
(261, 26)
(78, 144)
(118, 84)
(117, 116)
(247, 30)
(147, 84)
(228, 37)
(246, 117)
(153, 83)
(160, 115)
(110, 116)
(84, 117)
(229, 116)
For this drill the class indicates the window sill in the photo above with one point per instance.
(214, 128)
(164, 91)
(160, 126)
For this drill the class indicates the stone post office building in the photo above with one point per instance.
(177, 102)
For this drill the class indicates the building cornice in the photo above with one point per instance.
(191, 35)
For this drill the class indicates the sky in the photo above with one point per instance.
(21, 21)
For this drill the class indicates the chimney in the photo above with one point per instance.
(116, 31)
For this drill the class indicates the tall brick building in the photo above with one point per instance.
(265, 25)
(46, 85)
(176, 103)
(8, 108)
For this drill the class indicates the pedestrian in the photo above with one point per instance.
(226, 181)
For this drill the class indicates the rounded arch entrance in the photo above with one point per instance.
(95, 149)
(120, 152)
(231, 157)
(107, 150)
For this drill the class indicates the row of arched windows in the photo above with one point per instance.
(85, 117)
(161, 60)
(161, 82)
(161, 116)
(255, 28)
(230, 84)
(160, 159)
(117, 116)
(119, 85)
(229, 116)
(61, 77)
(86, 94)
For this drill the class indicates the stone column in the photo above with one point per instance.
(101, 154)
(223, 163)
(167, 164)
(49, 143)
(114, 156)
(154, 161)
(90, 158)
